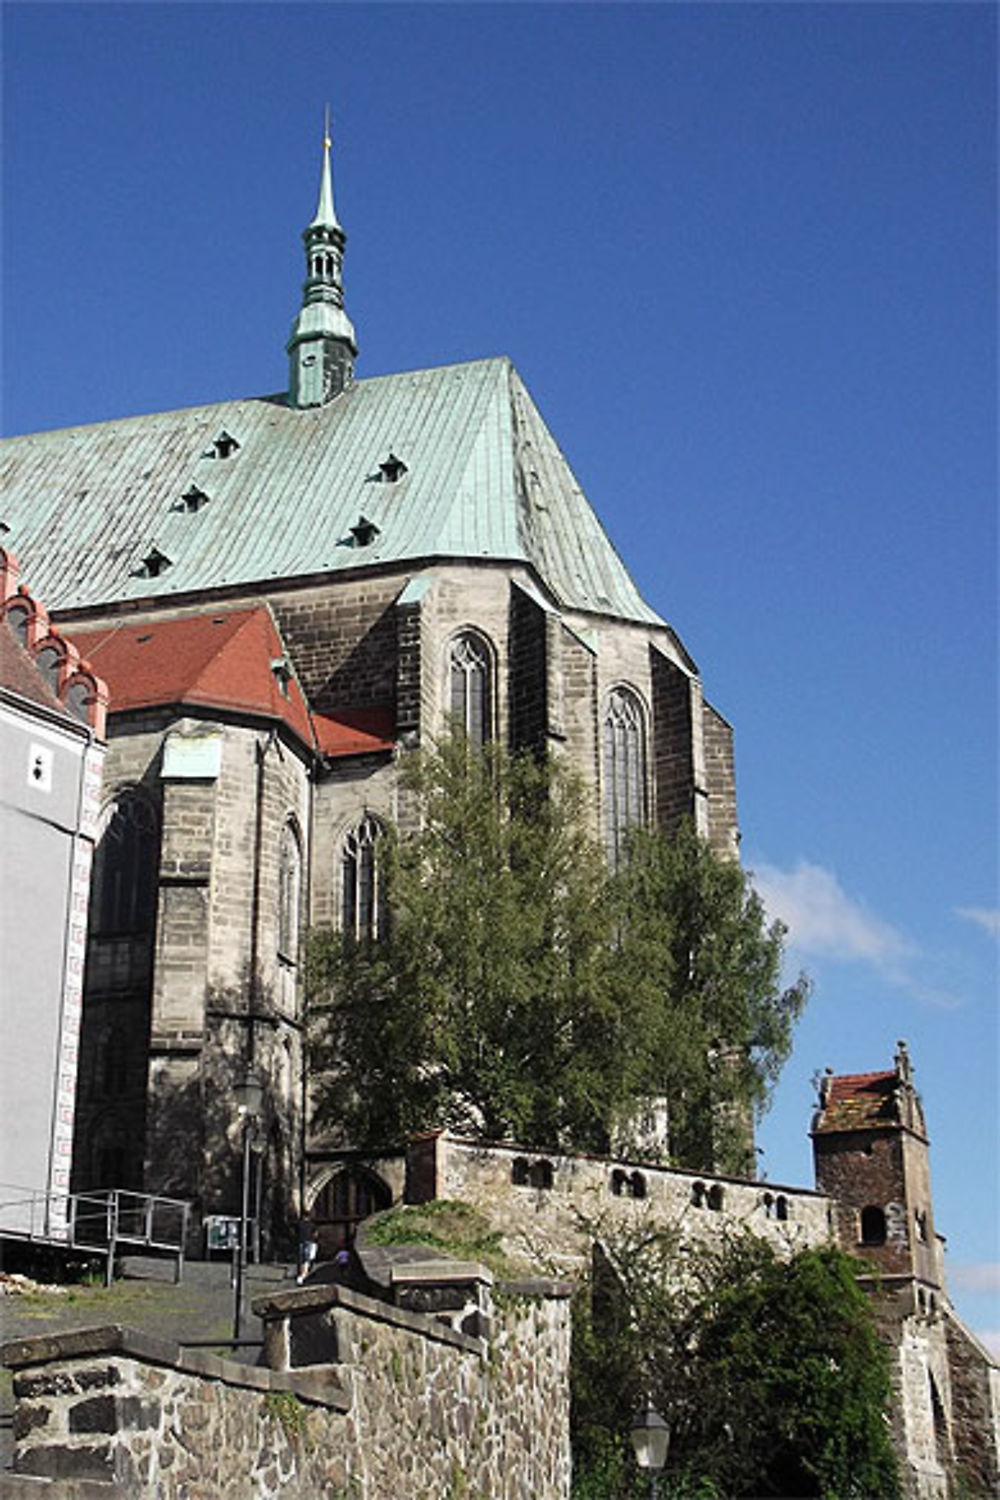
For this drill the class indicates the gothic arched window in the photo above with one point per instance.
(125, 870)
(289, 893)
(624, 769)
(469, 672)
(361, 907)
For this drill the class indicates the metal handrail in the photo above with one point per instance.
(99, 1221)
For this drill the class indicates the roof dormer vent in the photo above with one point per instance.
(154, 563)
(224, 445)
(194, 499)
(364, 532)
(392, 469)
(282, 672)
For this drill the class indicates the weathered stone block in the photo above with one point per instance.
(56, 1461)
(27, 1419)
(98, 1414)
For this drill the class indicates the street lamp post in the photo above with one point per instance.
(650, 1439)
(249, 1096)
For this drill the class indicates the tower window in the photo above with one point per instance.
(624, 769)
(469, 686)
(872, 1225)
(361, 906)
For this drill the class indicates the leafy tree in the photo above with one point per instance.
(702, 964)
(521, 990)
(769, 1373)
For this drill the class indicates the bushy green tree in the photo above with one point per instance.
(769, 1372)
(703, 965)
(521, 990)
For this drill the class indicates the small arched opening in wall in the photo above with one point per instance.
(349, 1196)
(873, 1225)
(541, 1174)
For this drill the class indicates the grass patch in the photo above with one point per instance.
(459, 1231)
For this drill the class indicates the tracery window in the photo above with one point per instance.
(362, 905)
(624, 769)
(125, 870)
(469, 674)
(289, 889)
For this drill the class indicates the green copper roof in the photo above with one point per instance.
(157, 507)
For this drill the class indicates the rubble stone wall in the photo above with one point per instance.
(405, 1406)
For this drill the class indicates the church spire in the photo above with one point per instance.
(322, 346)
(326, 214)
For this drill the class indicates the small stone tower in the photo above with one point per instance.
(870, 1151)
(871, 1156)
(322, 347)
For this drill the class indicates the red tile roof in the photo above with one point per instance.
(210, 661)
(222, 660)
(857, 1101)
(354, 731)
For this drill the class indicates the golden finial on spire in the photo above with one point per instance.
(327, 138)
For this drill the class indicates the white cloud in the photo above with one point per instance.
(823, 920)
(981, 1277)
(984, 916)
(991, 1338)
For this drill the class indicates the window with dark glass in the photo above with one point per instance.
(872, 1225)
(623, 768)
(469, 688)
(362, 915)
(289, 887)
(125, 870)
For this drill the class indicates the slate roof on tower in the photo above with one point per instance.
(149, 508)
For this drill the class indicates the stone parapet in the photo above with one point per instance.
(368, 1398)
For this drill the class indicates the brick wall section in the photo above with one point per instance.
(409, 668)
(342, 640)
(673, 761)
(720, 778)
(578, 670)
(410, 1407)
(528, 694)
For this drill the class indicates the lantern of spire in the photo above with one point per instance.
(322, 347)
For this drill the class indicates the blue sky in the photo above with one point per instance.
(744, 257)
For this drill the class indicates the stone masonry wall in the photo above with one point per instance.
(555, 1226)
(410, 1407)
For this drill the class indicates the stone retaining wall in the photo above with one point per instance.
(402, 1405)
(550, 1207)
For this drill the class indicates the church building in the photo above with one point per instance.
(285, 594)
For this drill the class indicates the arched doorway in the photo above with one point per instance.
(349, 1196)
